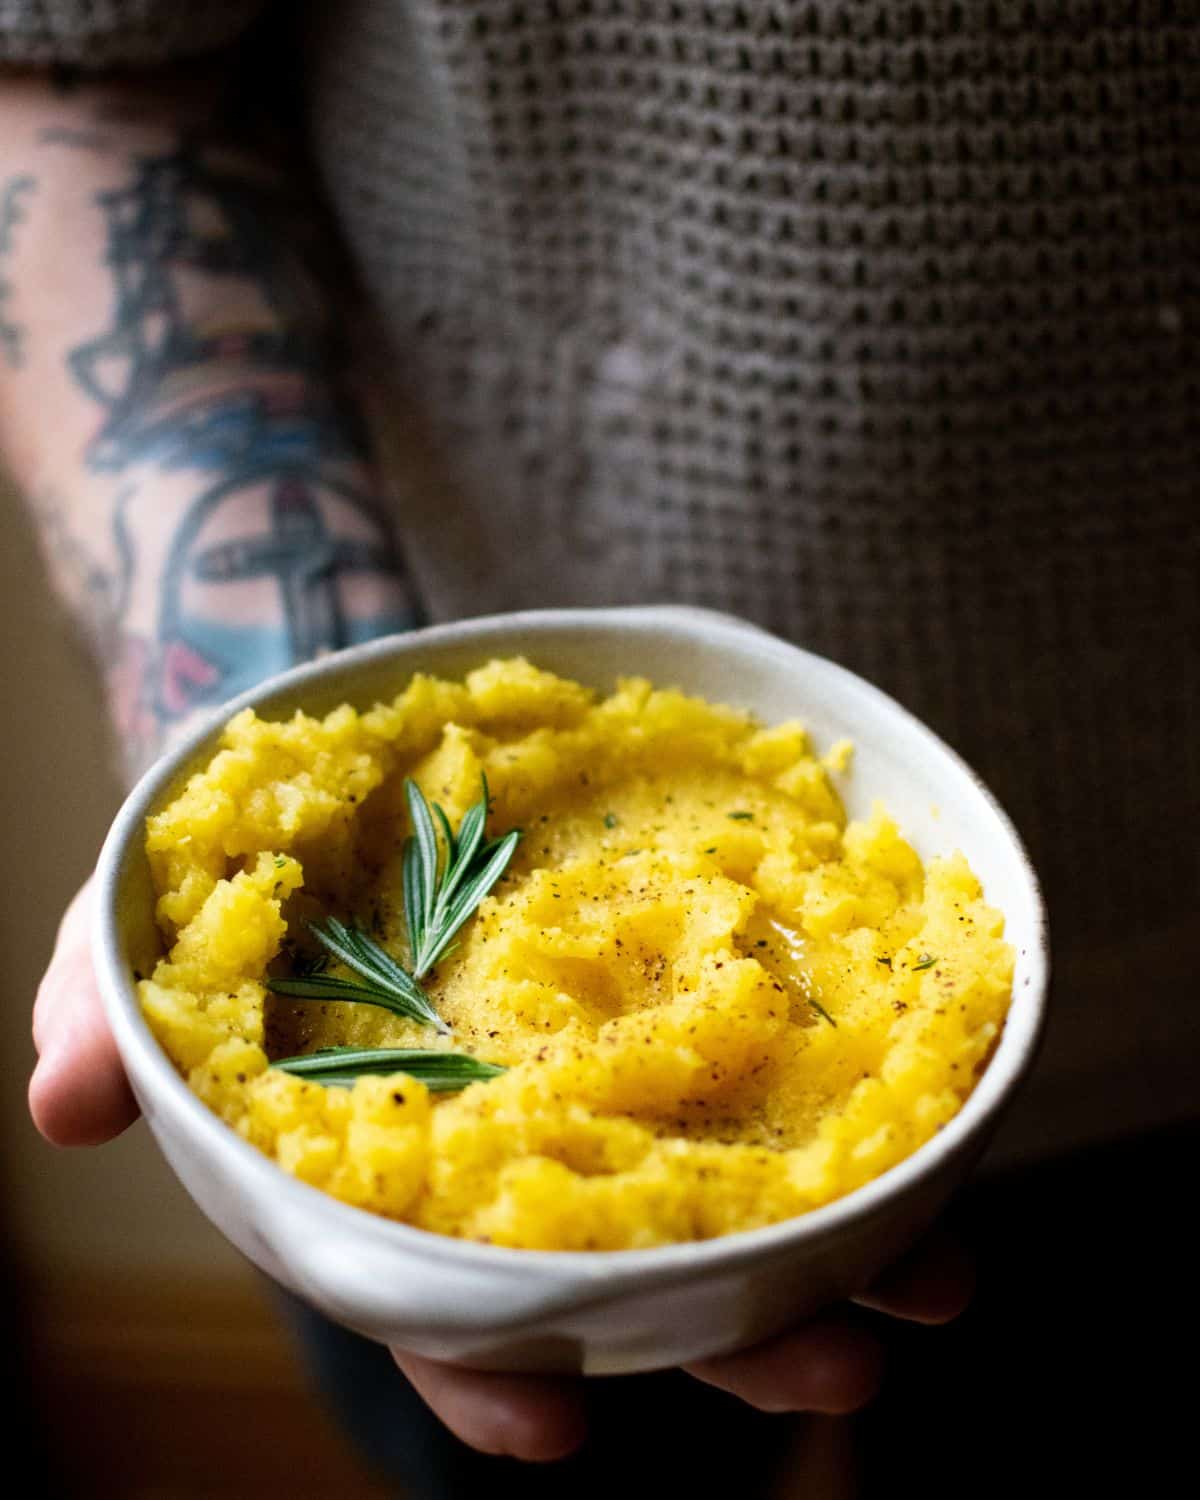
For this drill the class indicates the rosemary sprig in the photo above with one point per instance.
(384, 982)
(440, 1072)
(441, 893)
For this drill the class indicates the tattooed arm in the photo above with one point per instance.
(169, 404)
(169, 407)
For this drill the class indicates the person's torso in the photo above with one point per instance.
(874, 324)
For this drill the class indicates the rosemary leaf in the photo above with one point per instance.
(385, 983)
(440, 1072)
(926, 961)
(462, 852)
(329, 987)
(440, 896)
(447, 832)
(494, 858)
(421, 852)
(414, 899)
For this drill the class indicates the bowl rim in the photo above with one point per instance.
(149, 1063)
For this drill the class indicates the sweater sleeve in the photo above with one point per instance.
(97, 34)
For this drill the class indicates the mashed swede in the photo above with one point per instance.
(720, 1005)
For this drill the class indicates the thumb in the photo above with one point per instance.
(78, 1095)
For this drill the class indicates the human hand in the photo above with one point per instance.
(78, 1095)
(833, 1363)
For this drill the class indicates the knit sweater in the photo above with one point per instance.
(874, 323)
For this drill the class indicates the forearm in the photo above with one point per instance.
(170, 405)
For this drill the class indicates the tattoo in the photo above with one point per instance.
(81, 140)
(196, 656)
(163, 372)
(298, 551)
(12, 213)
(214, 379)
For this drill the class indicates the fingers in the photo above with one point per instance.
(932, 1284)
(832, 1364)
(78, 1095)
(829, 1365)
(532, 1417)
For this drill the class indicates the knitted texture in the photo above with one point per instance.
(105, 33)
(874, 322)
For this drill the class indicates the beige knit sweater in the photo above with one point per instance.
(876, 323)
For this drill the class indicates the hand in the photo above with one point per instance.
(829, 1364)
(79, 1096)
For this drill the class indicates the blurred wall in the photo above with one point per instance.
(116, 1210)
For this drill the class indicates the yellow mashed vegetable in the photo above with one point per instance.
(719, 1004)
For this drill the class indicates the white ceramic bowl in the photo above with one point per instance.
(605, 1312)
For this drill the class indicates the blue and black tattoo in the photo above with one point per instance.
(13, 196)
(217, 363)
